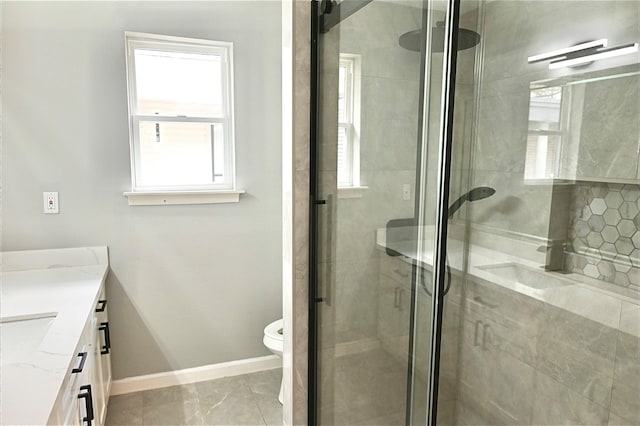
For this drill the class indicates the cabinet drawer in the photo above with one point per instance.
(396, 269)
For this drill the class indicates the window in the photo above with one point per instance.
(544, 142)
(349, 121)
(180, 114)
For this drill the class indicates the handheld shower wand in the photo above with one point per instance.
(476, 194)
(479, 193)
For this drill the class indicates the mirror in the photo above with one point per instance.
(585, 127)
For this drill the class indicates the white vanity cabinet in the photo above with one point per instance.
(102, 356)
(55, 365)
(85, 392)
(74, 405)
(394, 305)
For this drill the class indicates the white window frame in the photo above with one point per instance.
(184, 194)
(542, 135)
(352, 186)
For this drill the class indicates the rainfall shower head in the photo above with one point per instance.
(479, 193)
(412, 40)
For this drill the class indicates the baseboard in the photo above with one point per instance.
(194, 375)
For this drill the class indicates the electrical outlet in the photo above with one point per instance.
(406, 192)
(50, 202)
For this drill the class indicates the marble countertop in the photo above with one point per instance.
(590, 298)
(63, 285)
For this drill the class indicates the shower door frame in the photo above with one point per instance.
(443, 183)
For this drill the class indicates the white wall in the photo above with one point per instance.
(189, 285)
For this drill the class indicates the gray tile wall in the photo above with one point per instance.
(524, 361)
(388, 146)
(604, 233)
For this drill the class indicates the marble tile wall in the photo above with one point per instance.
(523, 361)
(351, 385)
(511, 31)
(388, 145)
(604, 235)
(296, 398)
(610, 111)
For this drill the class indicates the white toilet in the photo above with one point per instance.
(274, 341)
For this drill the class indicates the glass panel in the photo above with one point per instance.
(371, 280)
(344, 160)
(175, 84)
(542, 323)
(173, 154)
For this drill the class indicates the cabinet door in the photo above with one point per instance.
(70, 406)
(95, 372)
(394, 306)
(102, 344)
(105, 358)
(74, 407)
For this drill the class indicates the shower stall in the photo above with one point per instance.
(475, 186)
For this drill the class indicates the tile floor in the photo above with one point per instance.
(250, 399)
(369, 389)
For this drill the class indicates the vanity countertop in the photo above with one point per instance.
(590, 298)
(62, 285)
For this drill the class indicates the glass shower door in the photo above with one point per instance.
(375, 191)
(542, 323)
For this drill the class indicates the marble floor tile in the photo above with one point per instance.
(169, 395)
(182, 413)
(265, 382)
(124, 417)
(270, 409)
(214, 390)
(125, 410)
(250, 399)
(234, 408)
(368, 385)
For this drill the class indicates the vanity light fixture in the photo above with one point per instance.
(557, 54)
(598, 54)
(582, 53)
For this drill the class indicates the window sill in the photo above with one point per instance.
(352, 191)
(159, 198)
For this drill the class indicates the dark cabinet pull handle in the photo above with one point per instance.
(83, 358)
(88, 402)
(485, 330)
(102, 305)
(476, 335)
(402, 274)
(104, 326)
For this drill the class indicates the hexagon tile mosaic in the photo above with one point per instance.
(604, 233)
